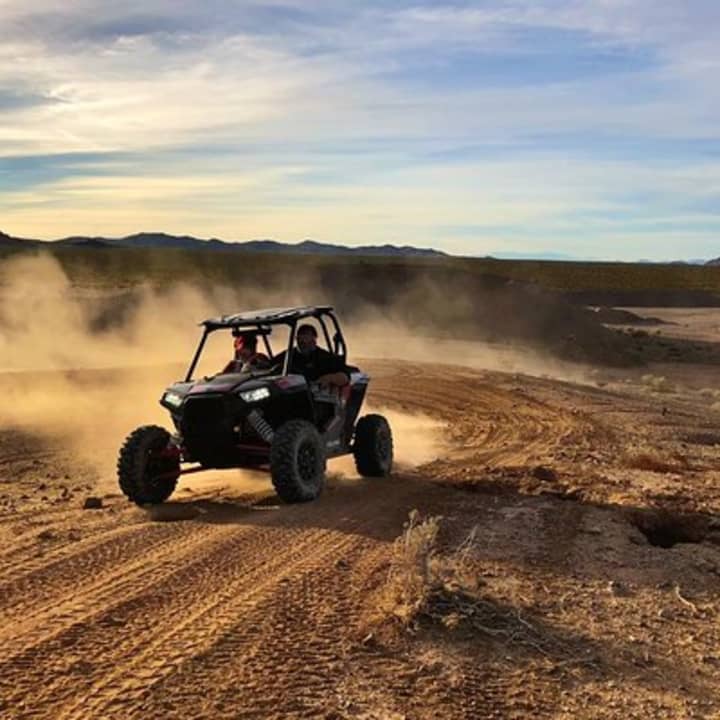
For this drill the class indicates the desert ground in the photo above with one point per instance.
(547, 547)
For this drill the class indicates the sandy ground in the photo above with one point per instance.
(226, 604)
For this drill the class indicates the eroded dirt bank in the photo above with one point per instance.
(227, 604)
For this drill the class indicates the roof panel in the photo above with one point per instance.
(267, 316)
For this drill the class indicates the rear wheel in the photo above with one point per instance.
(148, 465)
(373, 447)
(297, 462)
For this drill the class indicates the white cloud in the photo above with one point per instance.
(158, 76)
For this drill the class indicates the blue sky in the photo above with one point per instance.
(587, 129)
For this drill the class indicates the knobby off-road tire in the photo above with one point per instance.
(373, 447)
(297, 462)
(141, 462)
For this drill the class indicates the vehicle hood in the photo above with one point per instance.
(224, 383)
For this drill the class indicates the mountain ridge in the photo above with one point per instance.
(189, 242)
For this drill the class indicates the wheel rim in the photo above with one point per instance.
(307, 462)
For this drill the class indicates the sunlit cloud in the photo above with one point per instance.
(589, 128)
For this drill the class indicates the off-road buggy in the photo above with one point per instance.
(262, 419)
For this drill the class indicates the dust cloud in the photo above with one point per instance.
(88, 366)
(392, 340)
(417, 438)
(90, 388)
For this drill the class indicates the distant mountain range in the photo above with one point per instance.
(306, 247)
(187, 242)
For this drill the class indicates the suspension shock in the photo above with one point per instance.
(261, 426)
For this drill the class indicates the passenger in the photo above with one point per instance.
(247, 358)
(315, 363)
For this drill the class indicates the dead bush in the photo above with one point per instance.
(444, 589)
(655, 463)
(657, 383)
(419, 572)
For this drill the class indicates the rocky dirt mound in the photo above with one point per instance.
(659, 297)
(463, 305)
(615, 316)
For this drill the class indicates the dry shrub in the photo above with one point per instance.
(655, 463)
(657, 383)
(444, 588)
(419, 573)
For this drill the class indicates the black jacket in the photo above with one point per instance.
(313, 366)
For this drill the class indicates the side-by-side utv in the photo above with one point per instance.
(268, 419)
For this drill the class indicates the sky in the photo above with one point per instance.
(587, 129)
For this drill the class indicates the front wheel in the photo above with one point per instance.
(373, 446)
(148, 465)
(297, 462)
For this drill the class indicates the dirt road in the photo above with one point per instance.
(225, 604)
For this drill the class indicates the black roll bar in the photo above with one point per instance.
(340, 347)
(195, 359)
(290, 349)
(329, 344)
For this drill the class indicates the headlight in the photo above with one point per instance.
(256, 395)
(173, 399)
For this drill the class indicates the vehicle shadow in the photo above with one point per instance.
(372, 508)
(547, 528)
(512, 638)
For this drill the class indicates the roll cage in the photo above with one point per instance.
(261, 322)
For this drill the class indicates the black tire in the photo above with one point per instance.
(373, 447)
(140, 464)
(297, 462)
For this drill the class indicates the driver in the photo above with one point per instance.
(315, 363)
(247, 358)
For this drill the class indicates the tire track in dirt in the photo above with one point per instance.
(73, 586)
(145, 612)
(157, 631)
(289, 626)
(215, 620)
(26, 457)
(487, 424)
(95, 527)
(293, 632)
(253, 614)
(179, 617)
(26, 553)
(14, 517)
